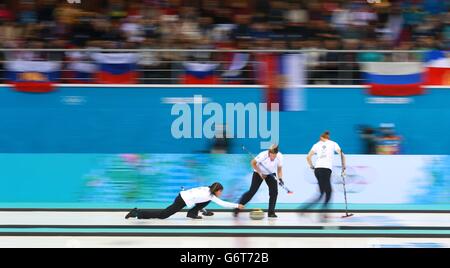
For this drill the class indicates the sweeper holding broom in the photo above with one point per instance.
(324, 151)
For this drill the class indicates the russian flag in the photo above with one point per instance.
(394, 78)
(200, 73)
(116, 68)
(32, 76)
(437, 68)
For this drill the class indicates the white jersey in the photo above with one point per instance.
(266, 165)
(201, 195)
(324, 150)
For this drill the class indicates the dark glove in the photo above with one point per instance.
(281, 181)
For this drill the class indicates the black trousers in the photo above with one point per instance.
(323, 176)
(256, 183)
(177, 206)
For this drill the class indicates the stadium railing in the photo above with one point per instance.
(226, 66)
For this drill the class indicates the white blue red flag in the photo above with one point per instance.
(394, 78)
(116, 68)
(200, 73)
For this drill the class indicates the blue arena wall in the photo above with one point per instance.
(121, 119)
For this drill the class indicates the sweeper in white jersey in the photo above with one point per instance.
(267, 166)
(324, 151)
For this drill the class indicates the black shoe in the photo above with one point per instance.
(236, 212)
(273, 215)
(132, 213)
(195, 217)
(208, 213)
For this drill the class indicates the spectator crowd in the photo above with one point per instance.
(241, 24)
